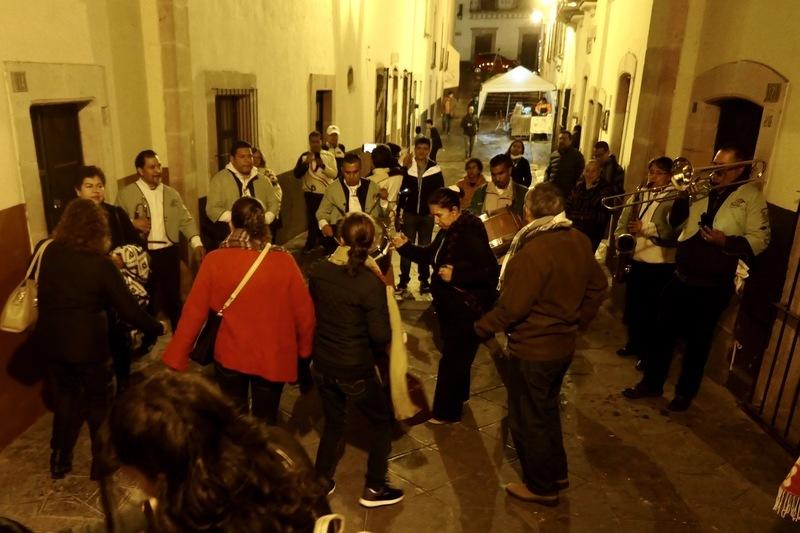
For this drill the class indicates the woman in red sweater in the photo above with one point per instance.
(264, 330)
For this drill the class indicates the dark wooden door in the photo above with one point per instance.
(57, 136)
(483, 43)
(529, 51)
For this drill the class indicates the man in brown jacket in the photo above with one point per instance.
(551, 287)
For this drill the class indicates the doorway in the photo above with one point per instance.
(482, 42)
(620, 114)
(739, 124)
(323, 116)
(529, 51)
(59, 154)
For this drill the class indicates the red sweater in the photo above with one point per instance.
(266, 328)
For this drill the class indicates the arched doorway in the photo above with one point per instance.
(739, 123)
(620, 114)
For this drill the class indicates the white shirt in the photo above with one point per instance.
(353, 206)
(157, 238)
(269, 216)
(497, 198)
(646, 250)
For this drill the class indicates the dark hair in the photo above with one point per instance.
(351, 158)
(476, 161)
(395, 148)
(544, 200)
(738, 152)
(445, 198)
(141, 156)
(314, 135)
(501, 159)
(382, 157)
(248, 213)
(602, 145)
(429, 121)
(422, 140)
(566, 132)
(263, 161)
(89, 171)
(508, 152)
(83, 227)
(8, 525)
(663, 163)
(418, 129)
(577, 128)
(240, 144)
(213, 469)
(357, 232)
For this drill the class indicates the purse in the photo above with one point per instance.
(21, 311)
(203, 350)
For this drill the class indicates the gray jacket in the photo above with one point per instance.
(177, 219)
(223, 192)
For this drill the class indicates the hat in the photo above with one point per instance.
(332, 129)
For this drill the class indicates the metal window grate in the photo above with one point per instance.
(236, 118)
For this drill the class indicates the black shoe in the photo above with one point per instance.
(60, 464)
(401, 288)
(379, 497)
(625, 352)
(679, 404)
(640, 391)
(424, 287)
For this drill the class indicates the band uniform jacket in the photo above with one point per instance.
(225, 188)
(335, 204)
(177, 219)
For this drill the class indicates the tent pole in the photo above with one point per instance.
(508, 106)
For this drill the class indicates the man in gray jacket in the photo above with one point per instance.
(240, 178)
(160, 215)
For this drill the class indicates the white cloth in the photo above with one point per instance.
(157, 238)
(244, 181)
(646, 250)
(497, 198)
(353, 206)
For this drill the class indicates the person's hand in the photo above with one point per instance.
(383, 194)
(714, 236)
(309, 158)
(164, 327)
(408, 159)
(446, 272)
(142, 224)
(327, 230)
(399, 240)
(117, 260)
(634, 227)
(199, 254)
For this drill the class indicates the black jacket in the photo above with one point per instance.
(436, 139)
(613, 175)
(352, 320)
(122, 230)
(565, 170)
(521, 171)
(465, 245)
(75, 291)
(416, 199)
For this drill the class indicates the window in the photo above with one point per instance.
(237, 119)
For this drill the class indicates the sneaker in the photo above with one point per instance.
(679, 404)
(379, 497)
(521, 492)
(424, 287)
(401, 288)
(640, 391)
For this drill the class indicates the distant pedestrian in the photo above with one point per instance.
(566, 165)
(448, 106)
(469, 125)
(436, 139)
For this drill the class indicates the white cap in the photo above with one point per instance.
(332, 129)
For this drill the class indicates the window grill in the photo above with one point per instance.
(236, 118)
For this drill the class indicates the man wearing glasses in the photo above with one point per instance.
(728, 225)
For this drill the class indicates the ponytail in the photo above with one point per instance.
(358, 232)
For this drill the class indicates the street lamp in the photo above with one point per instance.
(537, 17)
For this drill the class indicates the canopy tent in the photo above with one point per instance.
(516, 80)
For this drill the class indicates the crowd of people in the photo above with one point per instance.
(212, 458)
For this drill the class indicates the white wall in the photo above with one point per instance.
(507, 37)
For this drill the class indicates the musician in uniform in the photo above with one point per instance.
(728, 225)
(652, 263)
(501, 192)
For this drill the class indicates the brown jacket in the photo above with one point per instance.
(553, 287)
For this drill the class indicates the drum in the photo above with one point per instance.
(501, 226)
(381, 250)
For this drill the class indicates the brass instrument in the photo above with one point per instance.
(687, 179)
(626, 242)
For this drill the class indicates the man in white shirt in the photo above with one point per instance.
(160, 215)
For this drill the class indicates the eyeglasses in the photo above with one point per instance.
(656, 172)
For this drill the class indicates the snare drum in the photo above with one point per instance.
(381, 250)
(501, 227)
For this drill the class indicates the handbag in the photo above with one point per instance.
(203, 350)
(21, 311)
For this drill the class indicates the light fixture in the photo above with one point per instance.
(537, 17)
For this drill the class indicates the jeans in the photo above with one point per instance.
(417, 228)
(266, 394)
(446, 119)
(534, 421)
(691, 311)
(369, 397)
(80, 392)
(459, 346)
(469, 142)
(314, 236)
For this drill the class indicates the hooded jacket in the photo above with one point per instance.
(420, 188)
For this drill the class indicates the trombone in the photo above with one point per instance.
(687, 179)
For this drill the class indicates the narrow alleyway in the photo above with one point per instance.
(633, 465)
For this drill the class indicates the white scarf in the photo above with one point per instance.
(539, 225)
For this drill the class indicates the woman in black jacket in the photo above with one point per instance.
(78, 284)
(352, 326)
(464, 287)
(520, 167)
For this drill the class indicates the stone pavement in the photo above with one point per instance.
(633, 465)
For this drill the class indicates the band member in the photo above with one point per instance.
(317, 168)
(501, 192)
(728, 225)
(653, 261)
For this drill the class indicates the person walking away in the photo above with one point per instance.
(448, 107)
(436, 139)
(469, 125)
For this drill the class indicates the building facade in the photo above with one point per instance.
(96, 81)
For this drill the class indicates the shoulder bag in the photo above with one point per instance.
(21, 311)
(203, 350)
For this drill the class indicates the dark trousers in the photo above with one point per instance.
(418, 229)
(121, 352)
(469, 143)
(81, 392)
(265, 394)
(690, 311)
(164, 283)
(459, 346)
(446, 119)
(643, 288)
(369, 397)
(314, 237)
(535, 422)
(433, 154)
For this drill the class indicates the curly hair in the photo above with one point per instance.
(213, 468)
(84, 227)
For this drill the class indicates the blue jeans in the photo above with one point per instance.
(369, 397)
(535, 422)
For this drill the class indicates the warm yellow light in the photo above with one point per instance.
(537, 17)
(546, 2)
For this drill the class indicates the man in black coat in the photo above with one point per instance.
(612, 174)
(436, 140)
(566, 165)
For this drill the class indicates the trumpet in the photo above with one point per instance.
(697, 182)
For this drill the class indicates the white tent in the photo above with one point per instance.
(516, 80)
